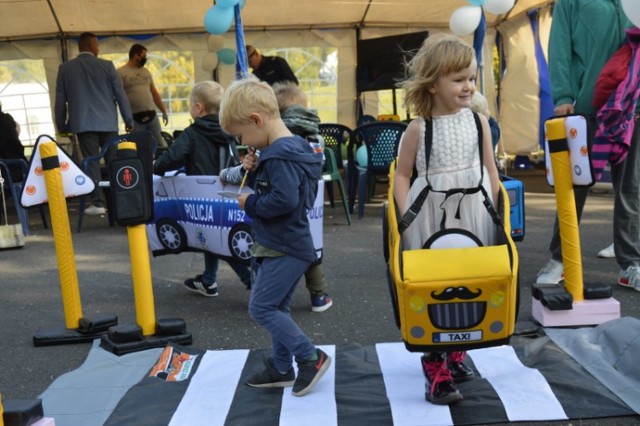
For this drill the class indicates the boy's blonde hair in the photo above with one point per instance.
(439, 55)
(244, 97)
(209, 94)
(288, 93)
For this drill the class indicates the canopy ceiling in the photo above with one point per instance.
(25, 19)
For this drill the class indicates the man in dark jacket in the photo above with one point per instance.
(270, 69)
(204, 149)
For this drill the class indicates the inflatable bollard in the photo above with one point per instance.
(574, 303)
(132, 200)
(78, 329)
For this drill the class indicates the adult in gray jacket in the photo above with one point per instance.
(87, 91)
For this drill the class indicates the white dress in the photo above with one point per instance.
(454, 163)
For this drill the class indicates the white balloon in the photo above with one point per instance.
(498, 7)
(631, 8)
(209, 62)
(215, 43)
(465, 20)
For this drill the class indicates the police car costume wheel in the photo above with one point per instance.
(240, 242)
(171, 235)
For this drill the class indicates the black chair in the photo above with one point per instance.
(146, 146)
(15, 189)
(381, 140)
(336, 136)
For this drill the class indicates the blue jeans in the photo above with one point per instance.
(270, 307)
(210, 274)
(154, 127)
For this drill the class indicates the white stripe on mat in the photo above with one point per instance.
(404, 381)
(318, 407)
(524, 391)
(210, 393)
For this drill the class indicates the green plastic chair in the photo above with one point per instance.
(333, 174)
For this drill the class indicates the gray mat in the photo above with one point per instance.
(610, 352)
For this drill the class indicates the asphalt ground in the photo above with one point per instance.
(30, 294)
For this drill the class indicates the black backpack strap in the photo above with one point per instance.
(476, 118)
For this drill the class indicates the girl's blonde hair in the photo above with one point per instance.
(244, 97)
(209, 94)
(439, 55)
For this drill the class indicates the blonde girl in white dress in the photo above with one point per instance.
(440, 85)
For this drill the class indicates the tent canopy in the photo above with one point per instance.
(24, 19)
(45, 30)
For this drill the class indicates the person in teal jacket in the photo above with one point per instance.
(584, 35)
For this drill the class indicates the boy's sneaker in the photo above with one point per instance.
(459, 371)
(439, 388)
(630, 277)
(309, 372)
(607, 252)
(551, 273)
(197, 285)
(95, 210)
(271, 378)
(321, 303)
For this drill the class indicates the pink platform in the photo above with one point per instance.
(586, 312)
(45, 421)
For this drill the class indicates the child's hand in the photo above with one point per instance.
(250, 160)
(242, 199)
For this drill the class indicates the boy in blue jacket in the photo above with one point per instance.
(285, 185)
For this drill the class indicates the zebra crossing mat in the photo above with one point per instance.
(540, 379)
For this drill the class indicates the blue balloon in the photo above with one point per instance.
(218, 19)
(362, 157)
(227, 56)
(476, 2)
(227, 3)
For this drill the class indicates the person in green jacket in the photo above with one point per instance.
(584, 35)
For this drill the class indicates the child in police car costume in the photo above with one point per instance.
(439, 87)
(204, 149)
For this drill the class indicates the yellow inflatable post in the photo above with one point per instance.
(566, 206)
(61, 235)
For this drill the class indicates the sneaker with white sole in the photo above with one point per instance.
(309, 372)
(95, 210)
(630, 277)
(551, 273)
(607, 252)
(197, 285)
(321, 303)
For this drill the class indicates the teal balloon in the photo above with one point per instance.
(476, 2)
(227, 3)
(242, 3)
(218, 19)
(227, 56)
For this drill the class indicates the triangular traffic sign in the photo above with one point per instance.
(74, 181)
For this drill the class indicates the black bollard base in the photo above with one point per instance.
(127, 338)
(89, 329)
